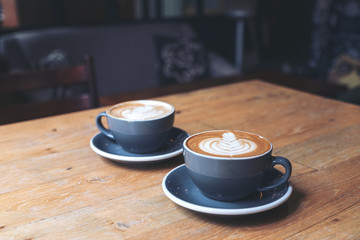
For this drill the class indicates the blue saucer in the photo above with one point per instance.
(179, 187)
(110, 149)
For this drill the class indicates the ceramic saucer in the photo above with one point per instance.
(110, 149)
(178, 186)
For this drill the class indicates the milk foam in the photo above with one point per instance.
(228, 145)
(139, 111)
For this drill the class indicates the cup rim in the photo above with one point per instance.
(141, 100)
(226, 158)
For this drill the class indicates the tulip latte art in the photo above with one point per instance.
(230, 144)
(141, 110)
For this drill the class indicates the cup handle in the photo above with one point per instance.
(101, 127)
(288, 168)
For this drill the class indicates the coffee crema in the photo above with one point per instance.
(141, 110)
(229, 144)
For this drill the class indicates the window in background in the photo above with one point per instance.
(9, 17)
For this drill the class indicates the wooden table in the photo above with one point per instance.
(53, 186)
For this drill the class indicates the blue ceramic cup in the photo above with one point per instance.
(140, 126)
(228, 165)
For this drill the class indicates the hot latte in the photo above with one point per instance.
(229, 144)
(141, 110)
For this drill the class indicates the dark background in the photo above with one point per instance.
(294, 37)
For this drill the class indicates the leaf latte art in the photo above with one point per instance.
(228, 145)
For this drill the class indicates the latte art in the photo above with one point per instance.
(228, 145)
(140, 110)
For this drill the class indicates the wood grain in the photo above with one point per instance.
(55, 187)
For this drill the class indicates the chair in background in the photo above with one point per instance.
(15, 89)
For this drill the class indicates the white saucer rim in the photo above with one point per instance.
(121, 158)
(221, 211)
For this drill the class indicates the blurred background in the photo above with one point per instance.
(311, 45)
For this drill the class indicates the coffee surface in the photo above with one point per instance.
(140, 110)
(230, 144)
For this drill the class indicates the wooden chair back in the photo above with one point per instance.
(20, 84)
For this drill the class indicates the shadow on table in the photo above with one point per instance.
(276, 214)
